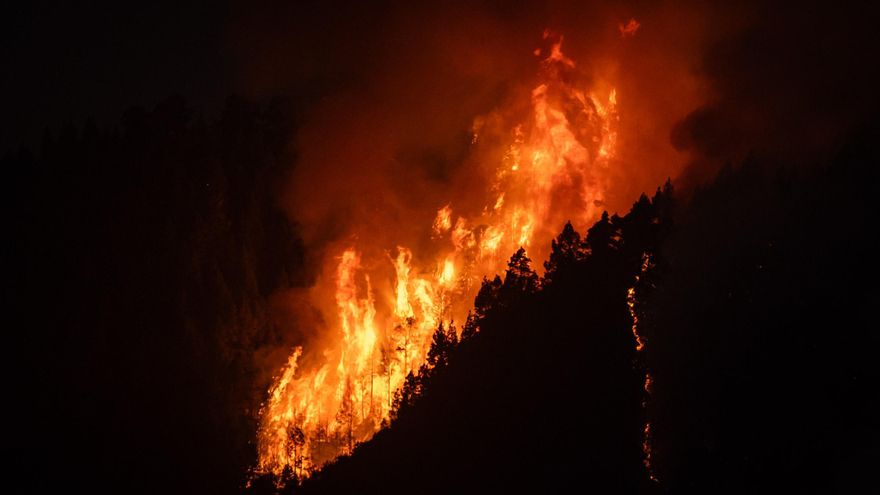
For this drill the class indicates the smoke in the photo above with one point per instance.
(790, 84)
(392, 93)
(411, 108)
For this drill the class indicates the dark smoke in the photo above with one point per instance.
(790, 83)
(393, 90)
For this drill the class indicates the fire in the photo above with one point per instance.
(447, 273)
(555, 166)
(631, 303)
(443, 222)
(629, 29)
(402, 309)
(647, 448)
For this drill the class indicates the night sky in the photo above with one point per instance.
(66, 62)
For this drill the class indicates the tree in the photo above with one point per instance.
(471, 327)
(386, 367)
(442, 345)
(296, 439)
(604, 236)
(565, 251)
(345, 417)
(520, 277)
(407, 395)
(487, 297)
(664, 203)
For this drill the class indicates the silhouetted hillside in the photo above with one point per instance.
(142, 260)
(763, 331)
(754, 304)
(545, 389)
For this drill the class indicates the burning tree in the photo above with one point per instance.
(554, 165)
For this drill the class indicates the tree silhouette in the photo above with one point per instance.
(487, 297)
(565, 251)
(471, 327)
(527, 347)
(519, 278)
(603, 237)
(295, 441)
(405, 398)
(345, 417)
(443, 342)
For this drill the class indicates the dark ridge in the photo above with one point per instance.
(543, 392)
(755, 307)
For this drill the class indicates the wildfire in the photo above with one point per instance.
(555, 166)
(443, 222)
(647, 449)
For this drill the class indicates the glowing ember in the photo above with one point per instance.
(629, 29)
(647, 449)
(555, 166)
(631, 302)
(403, 309)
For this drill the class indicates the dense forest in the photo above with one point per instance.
(753, 304)
(143, 260)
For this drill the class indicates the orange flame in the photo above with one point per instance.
(443, 222)
(556, 166)
(647, 448)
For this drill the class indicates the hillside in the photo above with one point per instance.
(753, 302)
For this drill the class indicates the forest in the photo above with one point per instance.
(734, 318)
(752, 360)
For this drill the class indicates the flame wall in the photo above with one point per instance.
(421, 226)
(441, 139)
(444, 138)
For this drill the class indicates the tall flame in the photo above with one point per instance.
(555, 167)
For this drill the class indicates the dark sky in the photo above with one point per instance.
(68, 61)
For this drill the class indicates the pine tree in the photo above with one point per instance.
(470, 328)
(407, 395)
(487, 297)
(296, 439)
(442, 345)
(604, 236)
(566, 250)
(345, 417)
(520, 277)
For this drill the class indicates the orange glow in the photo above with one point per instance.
(647, 449)
(447, 273)
(631, 303)
(648, 452)
(443, 222)
(402, 309)
(555, 164)
(629, 29)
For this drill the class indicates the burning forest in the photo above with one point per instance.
(545, 164)
(464, 248)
